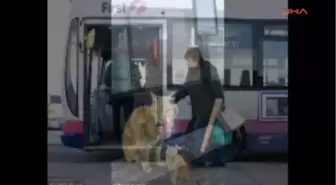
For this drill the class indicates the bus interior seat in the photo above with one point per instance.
(227, 76)
(282, 81)
(257, 79)
(245, 78)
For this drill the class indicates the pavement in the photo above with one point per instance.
(54, 137)
(106, 168)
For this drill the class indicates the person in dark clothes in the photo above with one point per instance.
(206, 96)
(119, 101)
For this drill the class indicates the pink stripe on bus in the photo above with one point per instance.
(257, 126)
(73, 127)
(252, 126)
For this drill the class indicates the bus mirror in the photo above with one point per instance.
(90, 39)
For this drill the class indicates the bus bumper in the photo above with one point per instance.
(73, 141)
(73, 134)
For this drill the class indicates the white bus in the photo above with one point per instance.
(139, 46)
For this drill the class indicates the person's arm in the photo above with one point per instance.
(183, 91)
(216, 88)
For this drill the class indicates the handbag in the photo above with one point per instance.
(219, 136)
(230, 119)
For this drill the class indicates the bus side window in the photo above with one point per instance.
(71, 68)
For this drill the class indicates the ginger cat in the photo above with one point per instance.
(143, 130)
(177, 166)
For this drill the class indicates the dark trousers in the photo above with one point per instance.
(127, 104)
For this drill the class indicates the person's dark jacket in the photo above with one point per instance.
(202, 92)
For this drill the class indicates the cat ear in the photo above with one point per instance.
(153, 96)
(171, 94)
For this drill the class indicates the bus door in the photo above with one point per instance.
(91, 65)
(137, 67)
(131, 56)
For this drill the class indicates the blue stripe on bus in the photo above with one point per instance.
(267, 142)
(73, 140)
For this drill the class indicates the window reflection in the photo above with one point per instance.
(277, 30)
(276, 107)
(275, 63)
(230, 51)
(135, 65)
(182, 37)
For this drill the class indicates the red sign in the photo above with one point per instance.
(137, 6)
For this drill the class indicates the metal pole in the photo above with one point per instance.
(202, 36)
(204, 47)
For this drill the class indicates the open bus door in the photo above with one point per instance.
(97, 111)
(91, 131)
(121, 57)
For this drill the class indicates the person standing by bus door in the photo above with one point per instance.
(122, 105)
(206, 103)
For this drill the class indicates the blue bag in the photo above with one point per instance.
(219, 135)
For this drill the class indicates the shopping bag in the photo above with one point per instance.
(230, 119)
(219, 135)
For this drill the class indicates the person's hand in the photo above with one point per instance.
(223, 107)
(203, 148)
(206, 138)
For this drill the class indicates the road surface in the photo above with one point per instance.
(101, 168)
